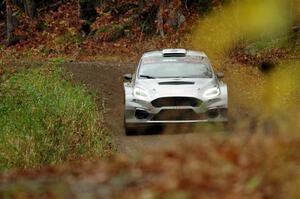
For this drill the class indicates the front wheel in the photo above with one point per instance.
(130, 131)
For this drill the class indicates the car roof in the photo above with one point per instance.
(189, 53)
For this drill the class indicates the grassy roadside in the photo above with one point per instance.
(45, 119)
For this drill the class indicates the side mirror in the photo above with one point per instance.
(220, 75)
(127, 77)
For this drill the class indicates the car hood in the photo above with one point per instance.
(192, 87)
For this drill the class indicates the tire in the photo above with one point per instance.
(130, 131)
(133, 129)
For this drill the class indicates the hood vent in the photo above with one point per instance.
(176, 83)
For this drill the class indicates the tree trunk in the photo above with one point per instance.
(160, 18)
(30, 8)
(141, 4)
(169, 16)
(9, 23)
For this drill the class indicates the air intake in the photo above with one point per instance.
(174, 53)
(176, 83)
(176, 101)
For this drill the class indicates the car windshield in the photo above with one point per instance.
(175, 67)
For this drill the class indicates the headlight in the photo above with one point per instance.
(211, 92)
(140, 93)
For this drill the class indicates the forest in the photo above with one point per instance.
(29, 25)
(117, 27)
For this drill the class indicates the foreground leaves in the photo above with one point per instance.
(240, 167)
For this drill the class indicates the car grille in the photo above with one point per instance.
(176, 101)
(177, 114)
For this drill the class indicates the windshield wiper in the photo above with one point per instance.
(172, 77)
(147, 76)
(192, 76)
(176, 77)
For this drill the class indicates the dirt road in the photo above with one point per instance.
(107, 80)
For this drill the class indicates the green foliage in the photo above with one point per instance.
(68, 38)
(117, 31)
(44, 119)
(268, 43)
(57, 60)
(41, 26)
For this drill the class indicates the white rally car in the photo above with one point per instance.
(174, 86)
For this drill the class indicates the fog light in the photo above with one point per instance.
(141, 114)
(213, 113)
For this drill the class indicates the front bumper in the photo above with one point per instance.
(143, 112)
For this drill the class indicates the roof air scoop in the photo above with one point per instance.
(174, 52)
